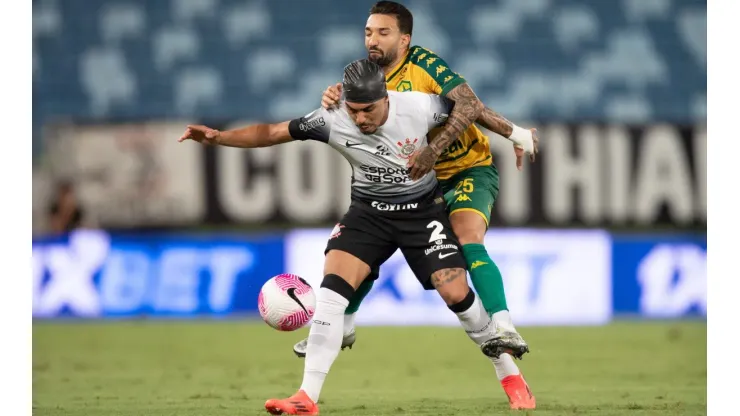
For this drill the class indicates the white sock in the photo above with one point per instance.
(476, 322)
(324, 340)
(479, 327)
(505, 366)
(349, 323)
(503, 320)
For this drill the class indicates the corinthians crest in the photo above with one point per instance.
(407, 148)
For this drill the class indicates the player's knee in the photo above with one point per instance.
(351, 269)
(471, 237)
(455, 296)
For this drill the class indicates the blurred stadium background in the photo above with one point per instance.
(610, 222)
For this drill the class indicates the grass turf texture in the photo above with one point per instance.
(230, 368)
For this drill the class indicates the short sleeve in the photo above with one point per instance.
(438, 110)
(439, 78)
(314, 126)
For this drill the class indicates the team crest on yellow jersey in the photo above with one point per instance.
(404, 86)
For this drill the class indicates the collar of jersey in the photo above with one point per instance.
(397, 69)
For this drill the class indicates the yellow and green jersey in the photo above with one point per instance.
(422, 70)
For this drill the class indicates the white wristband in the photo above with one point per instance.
(522, 137)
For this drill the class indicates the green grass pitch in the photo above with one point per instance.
(209, 368)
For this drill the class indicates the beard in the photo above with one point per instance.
(383, 60)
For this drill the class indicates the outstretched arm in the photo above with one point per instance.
(255, 135)
(313, 126)
(525, 140)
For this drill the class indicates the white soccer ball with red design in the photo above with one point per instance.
(286, 302)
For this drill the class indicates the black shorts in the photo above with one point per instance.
(372, 231)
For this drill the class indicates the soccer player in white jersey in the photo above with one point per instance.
(397, 203)
(467, 173)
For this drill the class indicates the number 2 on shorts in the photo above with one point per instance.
(437, 232)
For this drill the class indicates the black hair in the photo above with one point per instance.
(403, 15)
(363, 82)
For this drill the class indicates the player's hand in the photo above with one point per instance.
(201, 134)
(332, 95)
(422, 162)
(519, 151)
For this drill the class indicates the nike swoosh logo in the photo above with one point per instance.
(441, 256)
(291, 293)
(348, 144)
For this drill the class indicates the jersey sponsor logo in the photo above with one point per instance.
(381, 170)
(348, 144)
(382, 150)
(437, 247)
(312, 124)
(441, 256)
(384, 206)
(385, 175)
(463, 198)
(407, 148)
(454, 147)
(441, 118)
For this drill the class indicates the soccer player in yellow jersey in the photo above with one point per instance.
(465, 169)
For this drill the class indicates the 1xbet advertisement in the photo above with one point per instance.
(552, 277)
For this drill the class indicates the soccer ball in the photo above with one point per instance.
(286, 302)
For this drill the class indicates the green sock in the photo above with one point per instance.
(486, 278)
(360, 293)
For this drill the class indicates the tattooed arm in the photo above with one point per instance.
(524, 142)
(495, 122)
(466, 111)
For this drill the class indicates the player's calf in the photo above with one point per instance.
(343, 273)
(325, 335)
(452, 285)
(470, 228)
